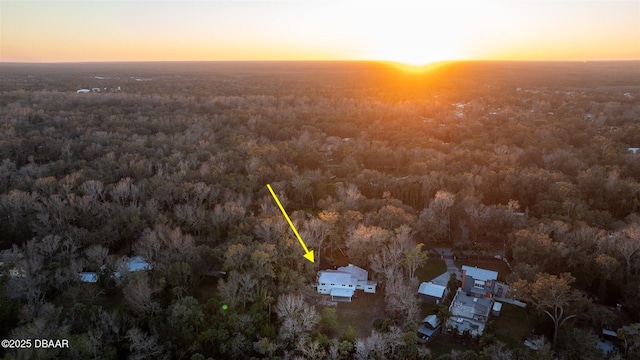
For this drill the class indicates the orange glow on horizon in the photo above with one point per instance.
(416, 69)
(414, 33)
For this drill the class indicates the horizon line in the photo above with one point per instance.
(315, 60)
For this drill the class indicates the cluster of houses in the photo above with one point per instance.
(472, 305)
(133, 264)
(97, 90)
(470, 309)
(475, 302)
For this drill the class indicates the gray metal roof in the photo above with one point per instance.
(336, 277)
(480, 274)
(431, 289)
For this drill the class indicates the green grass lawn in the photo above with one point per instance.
(513, 325)
(364, 308)
(427, 309)
(494, 265)
(431, 269)
(359, 313)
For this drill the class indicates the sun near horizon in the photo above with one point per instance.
(412, 33)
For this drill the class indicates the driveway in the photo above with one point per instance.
(447, 256)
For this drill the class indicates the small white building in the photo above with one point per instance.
(497, 307)
(342, 283)
(136, 263)
(83, 91)
(89, 277)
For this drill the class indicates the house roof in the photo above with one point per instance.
(356, 271)
(137, 263)
(424, 330)
(336, 277)
(88, 277)
(431, 289)
(480, 274)
(497, 306)
(342, 292)
(431, 320)
(468, 306)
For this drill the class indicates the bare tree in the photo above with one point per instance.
(626, 242)
(296, 315)
(237, 257)
(270, 229)
(311, 349)
(362, 240)
(440, 209)
(349, 195)
(478, 214)
(386, 261)
(401, 299)
(316, 231)
(171, 252)
(302, 187)
(68, 183)
(139, 294)
(31, 277)
(263, 261)
(497, 351)
(144, 346)
(96, 256)
(247, 288)
(192, 216)
(125, 192)
(94, 189)
(380, 345)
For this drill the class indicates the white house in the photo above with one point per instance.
(342, 283)
(83, 91)
(362, 276)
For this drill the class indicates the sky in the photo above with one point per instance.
(413, 32)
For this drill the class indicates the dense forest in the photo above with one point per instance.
(533, 163)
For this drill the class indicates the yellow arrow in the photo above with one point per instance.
(307, 254)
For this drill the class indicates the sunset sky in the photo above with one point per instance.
(414, 32)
